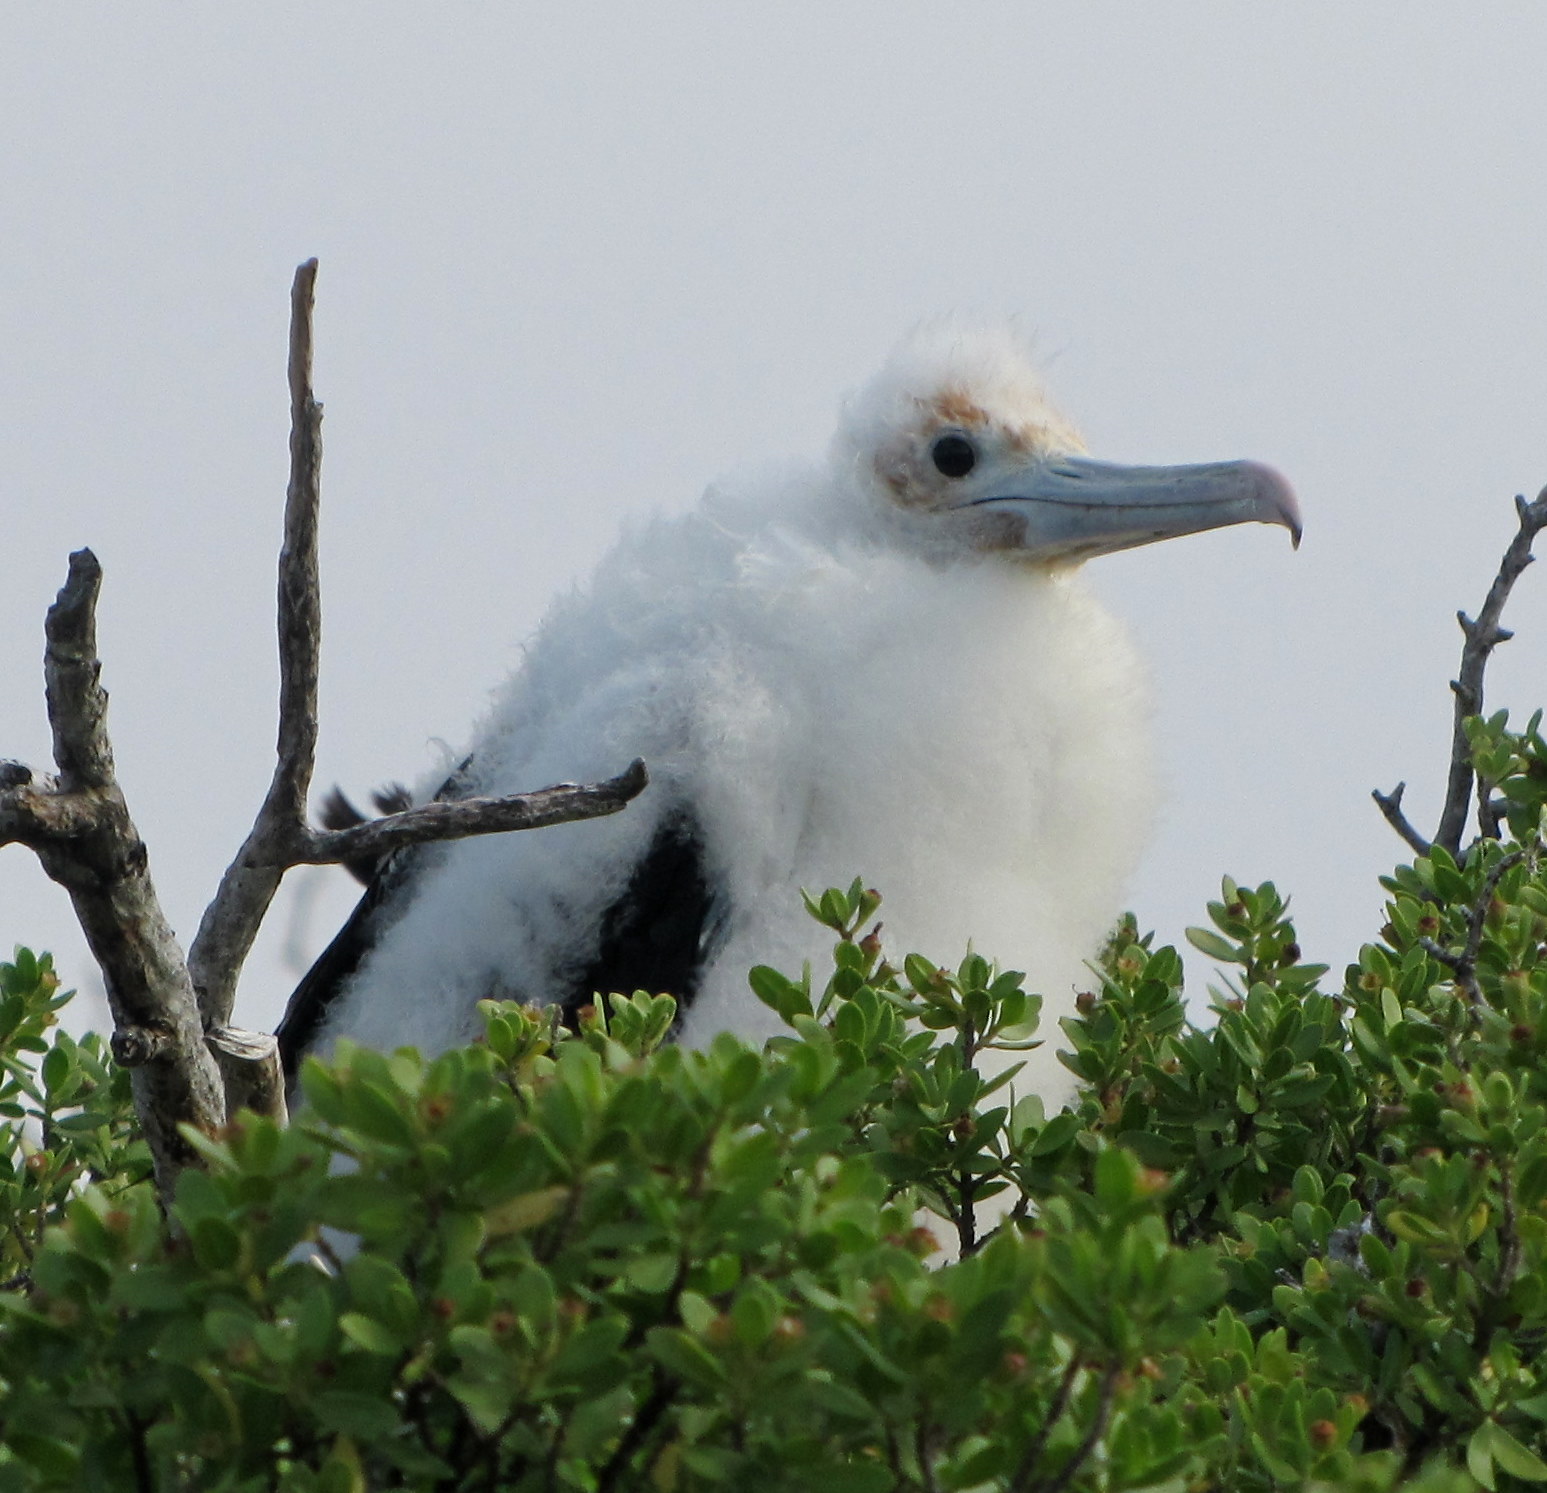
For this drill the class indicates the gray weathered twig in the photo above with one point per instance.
(1391, 807)
(1481, 638)
(233, 917)
(455, 819)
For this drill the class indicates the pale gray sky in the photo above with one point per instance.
(579, 260)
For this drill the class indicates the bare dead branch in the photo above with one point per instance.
(1480, 639)
(300, 603)
(170, 1014)
(77, 703)
(135, 1046)
(1482, 636)
(1391, 807)
(250, 1067)
(457, 819)
(35, 816)
(1490, 811)
(232, 919)
(81, 832)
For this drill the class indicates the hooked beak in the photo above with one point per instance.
(1072, 507)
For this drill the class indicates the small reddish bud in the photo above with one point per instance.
(38, 1163)
(1428, 923)
(1150, 1369)
(64, 1313)
(1520, 1032)
(1291, 954)
(789, 1330)
(1416, 1287)
(436, 1108)
(938, 1309)
(1085, 1002)
(116, 1221)
(444, 1308)
(1016, 1364)
(502, 1324)
(1235, 909)
(1323, 1434)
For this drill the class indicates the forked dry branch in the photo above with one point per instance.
(1481, 638)
(171, 1014)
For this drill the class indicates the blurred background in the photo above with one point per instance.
(578, 261)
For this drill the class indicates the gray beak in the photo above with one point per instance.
(1073, 507)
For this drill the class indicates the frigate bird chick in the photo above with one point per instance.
(883, 664)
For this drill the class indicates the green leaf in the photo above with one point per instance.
(779, 992)
(368, 1333)
(1210, 943)
(1515, 1458)
(685, 1356)
(652, 1273)
(1479, 1458)
(56, 1069)
(353, 1414)
(1390, 1009)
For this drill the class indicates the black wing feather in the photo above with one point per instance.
(660, 933)
(322, 984)
(386, 881)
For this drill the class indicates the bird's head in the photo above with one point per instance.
(956, 438)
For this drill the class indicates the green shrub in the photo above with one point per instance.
(1301, 1246)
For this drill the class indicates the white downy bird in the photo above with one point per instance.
(882, 665)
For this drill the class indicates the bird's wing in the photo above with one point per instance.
(322, 984)
(658, 935)
(387, 884)
(665, 928)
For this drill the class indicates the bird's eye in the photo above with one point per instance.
(953, 456)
